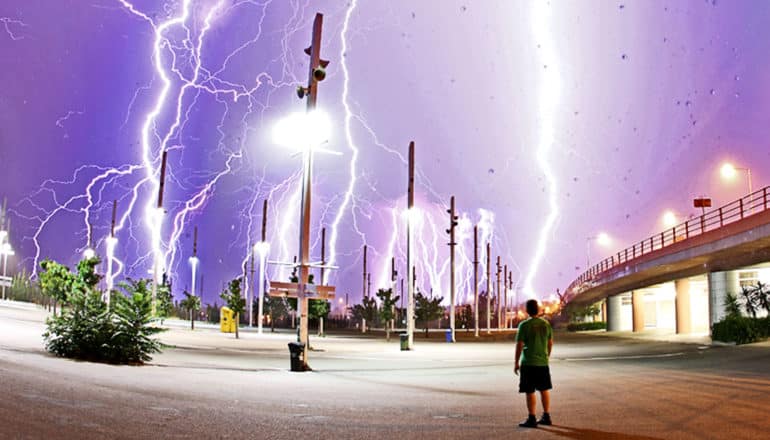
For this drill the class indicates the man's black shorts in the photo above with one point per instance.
(534, 378)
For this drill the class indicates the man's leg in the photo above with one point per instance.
(545, 399)
(531, 403)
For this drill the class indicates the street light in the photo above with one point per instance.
(602, 239)
(89, 253)
(729, 171)
(669, 219)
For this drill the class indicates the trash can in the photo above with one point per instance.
(448, 334)
(297, 356)
(404, 341)
(226, 320)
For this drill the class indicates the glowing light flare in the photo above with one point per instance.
(550, 92)
(603, 239)
(89, 253)
(728, 171)
(303, 130)
(669, 219)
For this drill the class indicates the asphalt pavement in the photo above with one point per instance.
(209, 385)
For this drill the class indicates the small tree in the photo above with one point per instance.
(164, 301)
(56, 281)
(192, 304)
(276, 307)
(465, 317)
(319, 309)
(427, 309)
(388, 303)
(366, 311)
(234, 301)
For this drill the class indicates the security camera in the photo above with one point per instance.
(319, 73)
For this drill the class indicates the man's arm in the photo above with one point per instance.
(550, 346)
(519, 349)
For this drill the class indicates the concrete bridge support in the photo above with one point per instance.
(637, 307)
(683, 307)
(614, 313)
(719, 285)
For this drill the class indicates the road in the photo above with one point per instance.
(210, 385)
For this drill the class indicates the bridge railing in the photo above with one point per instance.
(736, 210)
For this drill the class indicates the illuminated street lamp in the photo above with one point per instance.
(602, 239)
(669, 219)
(729, 171)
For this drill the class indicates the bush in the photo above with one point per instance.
(88, 330)
(583, 326)
(740, 329)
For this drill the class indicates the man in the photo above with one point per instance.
(534, 341)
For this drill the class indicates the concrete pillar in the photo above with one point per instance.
(604, 310)
(720, 284)
(614, 310)
(637, 307)
(682, 304)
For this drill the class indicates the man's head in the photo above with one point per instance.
(533, 307)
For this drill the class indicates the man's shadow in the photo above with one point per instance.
(586, 434)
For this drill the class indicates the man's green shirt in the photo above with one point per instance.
(535, 334)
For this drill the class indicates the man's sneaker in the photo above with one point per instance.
(531, 422)
(545, 420)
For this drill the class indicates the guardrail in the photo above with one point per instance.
(736, 210)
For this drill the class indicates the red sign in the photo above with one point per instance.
(702, 203)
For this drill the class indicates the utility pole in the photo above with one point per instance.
(499, 297)
(410, 285)
(316, 73)
(363, 289)
(111, 241)
(505, 296)
(515, 296)
(393, 278)
(323, 255)
(489, 293)
(476, 281)
(158, 219)
(262, 259)
(252, 251)
(194, 259)
(452, 244)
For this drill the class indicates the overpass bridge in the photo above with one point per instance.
(679, 278)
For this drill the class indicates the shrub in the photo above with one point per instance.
(739, 329)
(87, 329)
(583, 326)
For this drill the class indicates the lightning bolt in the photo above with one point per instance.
(8, 24)
(550, 89)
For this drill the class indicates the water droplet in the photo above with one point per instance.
(737, 95)
(624, 56)
(713, 92)
(621, 6)
(491, 171)
(737, 77)
(463, 8)
(687, 103)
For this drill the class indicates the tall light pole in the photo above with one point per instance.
(410, 281)
(602, 239)
(510, 287)
(452, 244)
(505, 296)
(157, 219)
(729, 171)
(111, 242)
(475, 281)
(262, 248)
(363, 290)
(6, 250)
(489, 293)
(499, 296)
(393, 278)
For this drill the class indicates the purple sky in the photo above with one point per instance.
(643, 99)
